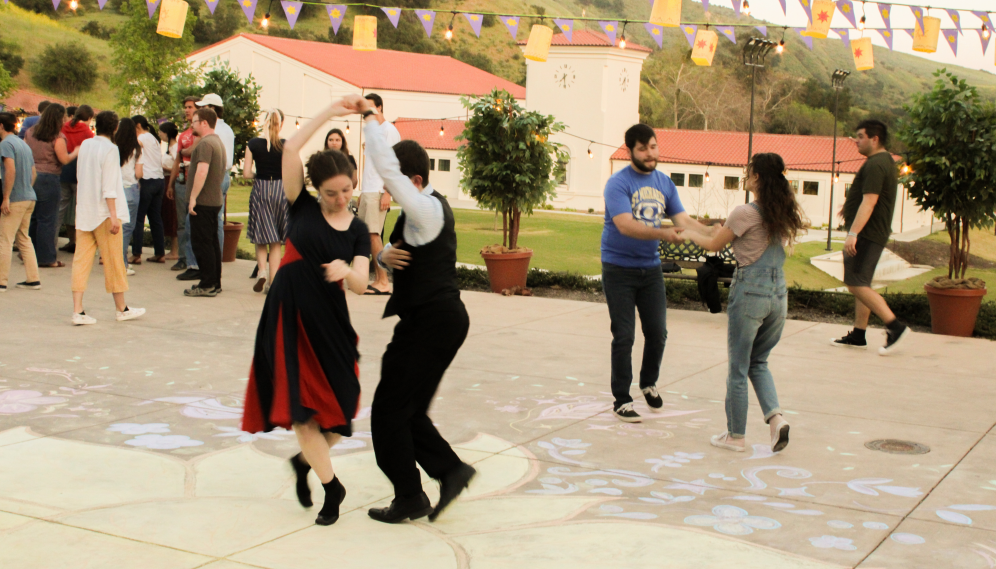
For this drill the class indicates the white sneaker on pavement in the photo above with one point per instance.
(130, 313)
(82, 319)
(130, 272)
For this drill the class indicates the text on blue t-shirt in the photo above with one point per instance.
(650, 198)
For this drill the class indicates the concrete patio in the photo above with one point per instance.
(120, 446)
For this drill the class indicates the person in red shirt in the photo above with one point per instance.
(178, 189)
(76, 131)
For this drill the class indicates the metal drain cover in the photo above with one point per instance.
(894, 446)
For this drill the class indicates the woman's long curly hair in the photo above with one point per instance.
(783, 219)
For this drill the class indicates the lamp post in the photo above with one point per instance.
(837, 81)
(755, 51)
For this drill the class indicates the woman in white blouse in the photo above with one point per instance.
(153, 188)
(131, 172)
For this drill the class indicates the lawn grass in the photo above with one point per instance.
(915, 284)
(800, 272)
(983, 242)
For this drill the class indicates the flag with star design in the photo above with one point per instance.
(918, 14)
(986, 20)
(847, 8)
(336, 14)
(728, 32)
(475, 21)
(428, 19)
(610, 29)
(887, 35)
(885, 10)
(292, 10)
(956, 18)
(951, 38)
(249, 9)
(689, 31)
(511, 24)
(567, 26)
(152, 5)
(807, 5)
(984, 41)
(393, 14)
(211, 4)
(805, 39)
(656, 32)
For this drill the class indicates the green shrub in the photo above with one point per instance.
(66, 68)
(10, 58)
(93, 28)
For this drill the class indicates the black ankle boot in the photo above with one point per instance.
(335, 493)
(301, 469)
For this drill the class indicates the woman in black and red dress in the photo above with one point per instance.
(304, 373)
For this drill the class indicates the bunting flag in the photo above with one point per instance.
(211, 4)
(910, 31)
(393, 14)
(887, 36)
(729, 32)
(428, 19)
(567, 26)
(689, 31)
(951, 38)
(705, 5)
(984, 41)
(151, 4)
(844, 36)
(784, 7)
(475, 21)
(737, 6)
(762, 29)
(885, 10)
(847, 9)
(55, 5)
(336, 13)
(807, 5)
(511, 24)
(249, 9)
(610, 30)
(956, 18)
(292, 10)
(100, 4)
(918, 14)
(986, 21)
(805, 39)
(656, 32)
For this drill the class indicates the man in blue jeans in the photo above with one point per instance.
(637, 199)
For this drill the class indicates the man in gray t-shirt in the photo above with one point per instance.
(17, 169)
(207, 172)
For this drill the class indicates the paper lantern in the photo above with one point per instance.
(365, 33)
(172, 17)
(538, 46)
(666, 13)
(925, 40)
(819, 25)
(704, 48)
(862, 51)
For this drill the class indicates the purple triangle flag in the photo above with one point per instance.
(475, 21)
(951, 37)
(808, 40)
(656, 32)
(151, 4)
(844, 36)
(567, 26)
(511, 24)
(885, 10)
(887, 35)
(336, 13)
(705, 4)
(428, 19)
(986, 20)
(211, 4)
(985, 42)
(762, 29)
(689, 30)
(784, 7)
(100, 4)
(910, 31)
(393, 14)
(918, 14)
(55, 4)
(956, 18)
(847, 9)
(249, 9)
(292, 10)
(610, 29)
(807, 6)
(737, 6)
(729, 32)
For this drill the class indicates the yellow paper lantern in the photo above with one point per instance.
(172, 17)
(862, 51)
(822, 17)
(925, 40)
(704, 47)
(365, 33)
(666, 13)
(538, 46)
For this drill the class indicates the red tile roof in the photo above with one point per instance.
(718, 148)
(426, 133)
(588, 38)
(28, 100)
(386, 69)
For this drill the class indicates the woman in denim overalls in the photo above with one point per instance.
(757, 303)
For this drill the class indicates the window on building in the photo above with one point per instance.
(678, 179)
(847, 188)
(811, 188)
(562, 170)
(731, 183)
(695, 180)
(444, 165)
(795, 186)
(432, 163)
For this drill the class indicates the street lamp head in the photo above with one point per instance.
(756, 49)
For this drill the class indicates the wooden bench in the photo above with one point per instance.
(688, 255)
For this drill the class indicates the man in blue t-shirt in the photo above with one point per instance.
(637, 199)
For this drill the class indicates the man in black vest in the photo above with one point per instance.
(422, 256)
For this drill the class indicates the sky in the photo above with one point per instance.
(970, 53)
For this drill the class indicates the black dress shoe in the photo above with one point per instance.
(403, 509)
(189, 275)
(450, 486)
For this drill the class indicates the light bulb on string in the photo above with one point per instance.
(707, 175)
(347, 127)
(442, 131)
(74, 5)
(905, 169)
(265, 23)
(985, 32)
(590, 153)
(862, 21)
(297, 124)
(746, 8)
(780, 48)
(449, 30)
(622, 40)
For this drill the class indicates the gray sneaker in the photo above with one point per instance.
(198, 291)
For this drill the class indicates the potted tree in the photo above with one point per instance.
(508, 165)
(951, 139)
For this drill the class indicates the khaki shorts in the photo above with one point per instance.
(370, 213)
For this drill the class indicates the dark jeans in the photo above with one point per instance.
(424, 343)
(45, 222)
(204, 240)
(150, 204)
(643, 289)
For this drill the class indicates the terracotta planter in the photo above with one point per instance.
(506, 270)
(233, 230)
(953, 311)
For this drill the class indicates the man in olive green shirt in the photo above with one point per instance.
(867, 214)
(208, 165)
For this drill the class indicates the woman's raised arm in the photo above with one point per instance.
(291, 164)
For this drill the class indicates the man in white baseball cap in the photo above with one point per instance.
(227, 136)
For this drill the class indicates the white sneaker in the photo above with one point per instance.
(82, 319)
(130, 313)
(130, 272)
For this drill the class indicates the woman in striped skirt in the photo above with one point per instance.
(268, 208)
